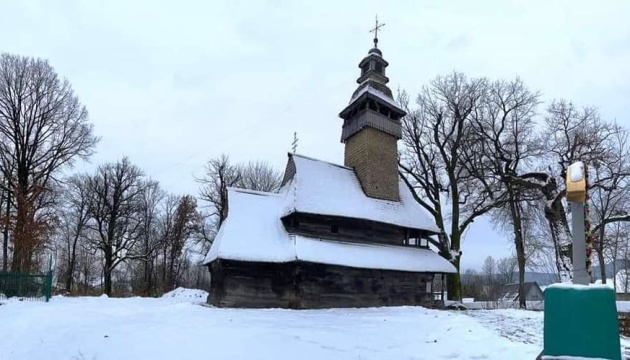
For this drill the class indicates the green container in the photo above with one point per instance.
(581, 320)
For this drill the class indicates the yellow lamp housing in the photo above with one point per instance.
(576, 182)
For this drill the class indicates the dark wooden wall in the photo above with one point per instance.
(348, 229)
(301, 285)
(252, 284)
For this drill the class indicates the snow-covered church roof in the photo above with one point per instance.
(319, 187)
(253, 229)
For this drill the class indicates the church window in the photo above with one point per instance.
(372, 105)
(365, 69)
(379, 67)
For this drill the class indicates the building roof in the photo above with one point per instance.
(318, 187)
(377, 93)
(509, 292)
(370, 89)
(253, 231)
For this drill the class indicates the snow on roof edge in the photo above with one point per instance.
(251, 192)
(316, 194)
(371, 256)
(322, 161)
(375, 92)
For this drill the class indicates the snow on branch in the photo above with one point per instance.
(532, 180)
(612, 219)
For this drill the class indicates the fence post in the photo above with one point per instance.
(48, 293)
(48, 280)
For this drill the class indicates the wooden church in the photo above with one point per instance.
(348, 235)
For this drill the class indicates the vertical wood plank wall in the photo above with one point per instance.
(301, 285)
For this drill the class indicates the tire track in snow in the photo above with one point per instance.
(516, 325)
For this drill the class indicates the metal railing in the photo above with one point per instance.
(26, 286)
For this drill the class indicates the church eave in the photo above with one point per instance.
(367, 119)
(367, 94)
(295, 212)
(372, 75)
(373, 57)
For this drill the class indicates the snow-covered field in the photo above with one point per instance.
(176, 326)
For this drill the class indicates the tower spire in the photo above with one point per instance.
(372, 127)
(375, 30)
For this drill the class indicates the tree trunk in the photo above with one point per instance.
(147, 278)
(164, 270)
(146, 272)
(171, 273)
(614, 266)
(519, 244)
(19, 236)
(454, 281)
(454, 284)
(561, 236)
(26, 233)
(71, 263)
(5, 230)
(107, 273)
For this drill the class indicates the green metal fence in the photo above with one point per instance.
(25, 286)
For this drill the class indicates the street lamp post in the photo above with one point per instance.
(576, 195)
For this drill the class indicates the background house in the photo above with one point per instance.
(509, 292)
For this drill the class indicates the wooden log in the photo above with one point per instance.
(310, 286)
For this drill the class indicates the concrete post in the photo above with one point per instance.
(580, 275)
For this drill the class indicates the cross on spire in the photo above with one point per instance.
(295, 142)
(375, 30)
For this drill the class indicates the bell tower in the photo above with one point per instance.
(372, 128)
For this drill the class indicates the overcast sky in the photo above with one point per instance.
(172, 84)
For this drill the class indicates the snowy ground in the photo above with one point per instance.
(177, 327)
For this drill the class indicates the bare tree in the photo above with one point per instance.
(489, 266)
(616, 250)
(570, 134)
(207, 230)
(259, 175)
(75, 217)
(117, 193)
(609, 193)
(490, 271)
(176, 225)
(149, 236)
(507, 267)
(505, 125)
(185, 223)
(166, 226)
(221, 174)
(472, 284)
(437, 147)
(43, 127)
